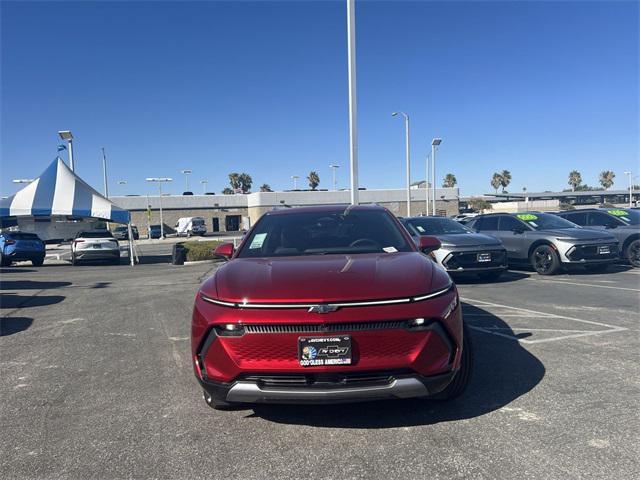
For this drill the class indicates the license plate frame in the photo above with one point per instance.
(331, 350)
(483, 257)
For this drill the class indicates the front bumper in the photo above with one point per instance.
(588, 254)
(377, 387)
(460, 261)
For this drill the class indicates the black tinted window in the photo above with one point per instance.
(599, 219)
(579, 218)
(100, 234)
(487, 223)
(437, 226)
(509, 224)
(318, 233)
(23, 236)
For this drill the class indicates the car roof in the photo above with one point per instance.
(326, 209)
(84, 232)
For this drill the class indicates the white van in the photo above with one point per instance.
(190, 226)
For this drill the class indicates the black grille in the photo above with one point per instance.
(457, 260)
(591, 252)
(335, 327)
(323, 380)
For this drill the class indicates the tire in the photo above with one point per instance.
(116, 261)
(632, 253)
(215, 403)
(461, 380)
(37, 263)
(599, 268)
(74, 262)
(544, 260)
(4, 262)
(491, 276)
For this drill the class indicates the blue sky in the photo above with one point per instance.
(539, 88)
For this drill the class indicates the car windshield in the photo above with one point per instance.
(121, 229)
(545, 221)
(23, 236)
(628, 216)
(318, 233)
(100, 234)
(438, 226)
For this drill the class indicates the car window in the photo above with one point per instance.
(437, 226)
(627, 215)
(100, 234)
(509, 224)
(579, 218)
(487, 223)
(318, 233)
(601, 219)
(23, 236)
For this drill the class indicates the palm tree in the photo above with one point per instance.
(265, 187)
(606, 178)
(496, 181)
(234, 180)
(227, 191)
(505, 179)
(245, 181)
(313, 179)
(575, 179)
(450, 180)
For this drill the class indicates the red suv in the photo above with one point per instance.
(327, 305)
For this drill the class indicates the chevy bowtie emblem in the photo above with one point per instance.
(322, 308)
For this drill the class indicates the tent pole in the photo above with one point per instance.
(130, 243)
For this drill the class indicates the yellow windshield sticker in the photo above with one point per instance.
(527, 216)
(617, 213)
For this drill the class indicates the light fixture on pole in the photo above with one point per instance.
(334, 167)
(426, 183)
(104, 173)
(122, 182)
(22, 180)
(407, 157)
(628, 174)
(434, 143)
(160, 181)
(353, 108)
(295, 181)
(204, 186)
(186, 173)
(68, 136)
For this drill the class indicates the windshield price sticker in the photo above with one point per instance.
(527, 216)
(258, 240)
(319, 351)
(617, 213)
(390, 249)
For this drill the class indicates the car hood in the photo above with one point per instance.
(326, 278)
(579, 234)
(469, 240)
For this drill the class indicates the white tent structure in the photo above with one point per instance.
(59, 201)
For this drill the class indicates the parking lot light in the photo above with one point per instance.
(628, 174)
(22, 180)
(434, 143)
(407, 155)
(186, 173)
(68, 136)
(160, 181)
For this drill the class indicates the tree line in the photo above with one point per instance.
(242, 183)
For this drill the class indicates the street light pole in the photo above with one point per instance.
(104, 173)
(68, 136)
(407, 157)
(186, 173)
(628, 174)
(160, 181)
(295, 181)
(204, 186)
(434, 143)
(334, 167)
(426, 183)
(353, 109)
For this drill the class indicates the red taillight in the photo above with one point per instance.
(78, 241)
(9, 242)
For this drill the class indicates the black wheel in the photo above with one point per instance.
(37, 263)
(599, 268)
(491, 276)
(4, 262)
(544, 260)
(632, 253)
(461, 380)
(116, 261)
(74, 262)
(215, 403)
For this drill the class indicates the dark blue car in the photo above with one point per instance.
(20, 246)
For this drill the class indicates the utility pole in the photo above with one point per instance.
(104, 173)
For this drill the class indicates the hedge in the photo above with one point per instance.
(200, 250)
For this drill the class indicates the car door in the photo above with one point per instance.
(487, 224)
(513, 233)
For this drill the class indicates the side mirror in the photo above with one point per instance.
(225, 250)
(518, 230)
(429, 244)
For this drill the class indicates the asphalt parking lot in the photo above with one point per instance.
(97, 383)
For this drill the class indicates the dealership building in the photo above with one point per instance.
(228, 213)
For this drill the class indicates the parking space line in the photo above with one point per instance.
(591, 285)
(535, 314)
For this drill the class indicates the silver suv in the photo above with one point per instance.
(622, 223)
(548, 242)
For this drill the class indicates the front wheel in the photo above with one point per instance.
(38, 262)
(632, 253)
(544, 260)
(461, 380)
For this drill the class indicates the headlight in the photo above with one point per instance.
(450, 308)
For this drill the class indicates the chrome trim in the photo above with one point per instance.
(365, 303)
(250, 392)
